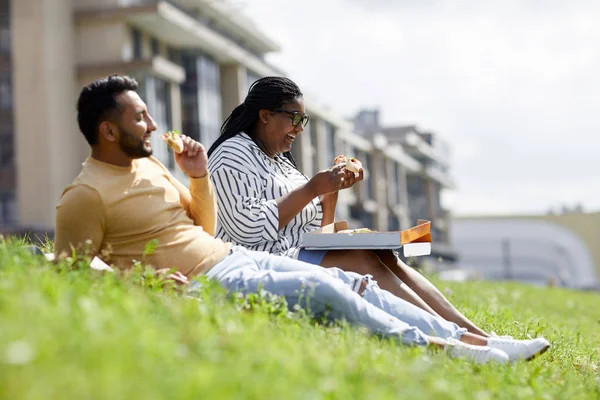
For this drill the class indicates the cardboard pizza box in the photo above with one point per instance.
(415, 241)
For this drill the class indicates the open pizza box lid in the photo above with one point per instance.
(415, 241)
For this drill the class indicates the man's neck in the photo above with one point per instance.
(113, 158)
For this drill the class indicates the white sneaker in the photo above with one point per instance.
(495, 335)
(478, 354)
(520, 349)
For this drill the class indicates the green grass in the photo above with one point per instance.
(69, 333)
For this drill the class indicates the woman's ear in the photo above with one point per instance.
(264, 116)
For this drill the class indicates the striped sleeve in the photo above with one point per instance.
(246, 217)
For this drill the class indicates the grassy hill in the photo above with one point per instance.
(70, 333)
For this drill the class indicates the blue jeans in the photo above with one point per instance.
(330, 292)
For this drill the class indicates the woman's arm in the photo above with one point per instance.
(328, 203)
(292, 203)
(250, 219)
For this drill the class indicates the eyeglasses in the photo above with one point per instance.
(296, 117)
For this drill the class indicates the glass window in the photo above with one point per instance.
(201, 97)
(209, 97)
(251, 77)
(5, 27)
(8, 208)
(330, 150)
(155, 47)
(156, 93)
(173, 55)
(370, 184)
(312, 127)
(297, 153)
(136, 38)
(393, 222)
(417, 199)
(397, 183)
(6, 150)
(5, 91)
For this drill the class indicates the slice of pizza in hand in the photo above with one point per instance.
(174, 140)
(352, 164)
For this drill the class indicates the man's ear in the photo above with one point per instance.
(264, 116)
(107, 130)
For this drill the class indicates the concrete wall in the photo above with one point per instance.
(95, 4)
(47, 140)
(233, 87)
(104, 43)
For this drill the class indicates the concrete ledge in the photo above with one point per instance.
(157, 65)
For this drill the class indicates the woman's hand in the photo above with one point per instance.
(327, 181)
(350, 178)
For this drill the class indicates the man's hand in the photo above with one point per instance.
(177, 276)
(193, 160)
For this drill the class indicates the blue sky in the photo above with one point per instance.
(513, 86)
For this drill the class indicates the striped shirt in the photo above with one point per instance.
(247, 183)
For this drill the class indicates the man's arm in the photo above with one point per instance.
(199, 202)
(79, 222)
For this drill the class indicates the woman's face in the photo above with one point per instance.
(278, 128)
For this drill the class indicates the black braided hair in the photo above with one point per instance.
(269, 93)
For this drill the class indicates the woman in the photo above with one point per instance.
(265, 203)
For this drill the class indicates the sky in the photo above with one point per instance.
(513, 86)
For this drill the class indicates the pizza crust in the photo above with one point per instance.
(352, 164)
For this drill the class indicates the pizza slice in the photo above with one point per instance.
(358, 230)
(352, 164)
(174, 140)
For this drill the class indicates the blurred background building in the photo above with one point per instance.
(195, 60)
(552, 249)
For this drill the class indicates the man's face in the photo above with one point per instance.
(134, 126)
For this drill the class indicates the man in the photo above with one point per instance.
(124, 198)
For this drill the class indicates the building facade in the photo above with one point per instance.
(194, 60)
(7, 160)
(414, 179)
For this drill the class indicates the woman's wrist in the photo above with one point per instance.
(329, 198)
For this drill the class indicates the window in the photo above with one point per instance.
(201, 95)
(364, 218)
(6, 150)
(397, 183)
(370, 184)
(136, 39)
(297, 153)
(156, 93)
(8, 208)
(5, 27)
(251, 77)
(162, 116)
(314, 139)
(393, 222)
(173, 55)
(330, 150)
(417, 198)
(155, 47)
(209, 97)
(5, 91)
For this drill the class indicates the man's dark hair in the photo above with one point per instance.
(97, 102)
(269, 93)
